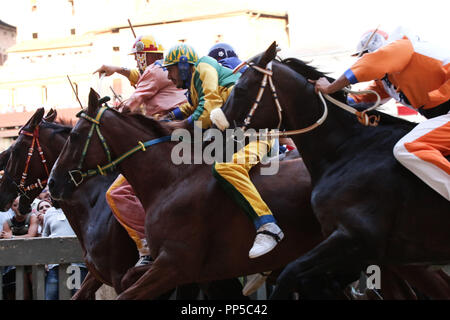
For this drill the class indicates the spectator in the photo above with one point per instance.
(19, 226)
(56, 225)
(41, 209)
(5, 215)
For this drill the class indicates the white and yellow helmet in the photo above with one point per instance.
(146, 43)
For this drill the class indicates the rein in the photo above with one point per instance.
(111, 163)
(362, 117)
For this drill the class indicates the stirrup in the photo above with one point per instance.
(273, 235)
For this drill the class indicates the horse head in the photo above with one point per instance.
(97, 144)
(246, 90)
(69, 161)
(270, 90)
(27, 168)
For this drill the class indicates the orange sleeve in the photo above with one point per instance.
(376, 86)
(443, 92)
(392, 58)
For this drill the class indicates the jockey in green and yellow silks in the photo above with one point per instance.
(209, 85)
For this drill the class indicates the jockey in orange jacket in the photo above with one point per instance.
(155, 95)
(417, 74)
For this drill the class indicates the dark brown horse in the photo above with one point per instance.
(109, 251)
(372, 210)
(196, 233)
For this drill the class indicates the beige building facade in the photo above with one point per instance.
(7, 39)
(73, 38)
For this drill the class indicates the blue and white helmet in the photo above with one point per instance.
(221, 51)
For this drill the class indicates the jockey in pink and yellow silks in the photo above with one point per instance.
(155, 94)
(209, 85)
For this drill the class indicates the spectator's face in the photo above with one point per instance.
(44, 195)
(43, 207)
(15, 207)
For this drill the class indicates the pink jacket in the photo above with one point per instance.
(155, 92)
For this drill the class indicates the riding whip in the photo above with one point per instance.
(76, 93)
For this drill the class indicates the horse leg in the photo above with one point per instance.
(228, 289)
(88, 288)
(394, 287)
(159, 278)
(432, 283)
(187, 292)
(339, 252)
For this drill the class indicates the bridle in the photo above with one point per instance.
(268, 78)
(39, 183)
(268, 73)
(111, 165)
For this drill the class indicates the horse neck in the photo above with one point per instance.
(80, 210)
(52, 146)
(76, 211)
(319, 146)
(152, 171)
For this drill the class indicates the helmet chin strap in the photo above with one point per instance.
(184, 71)
(141, 58)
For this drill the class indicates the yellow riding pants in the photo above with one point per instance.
(234, 178)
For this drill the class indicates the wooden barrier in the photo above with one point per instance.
(37, 252)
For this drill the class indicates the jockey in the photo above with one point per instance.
(156, 95)
(369, 42)
(417, 74)
(209, 86)
(225, 55)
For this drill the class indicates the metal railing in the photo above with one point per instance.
(37, 252)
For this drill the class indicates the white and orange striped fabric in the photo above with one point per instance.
(423, 149)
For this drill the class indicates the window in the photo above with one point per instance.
(35, 35)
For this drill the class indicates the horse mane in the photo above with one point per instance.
(145, 123)
(57, 127)
(310, 72)
(304, 69)
(65, 122)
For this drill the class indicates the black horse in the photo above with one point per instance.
(372, 210)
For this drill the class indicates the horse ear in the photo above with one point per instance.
(93, 102)
(269, 55)
(36, 118)
(51, 115)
